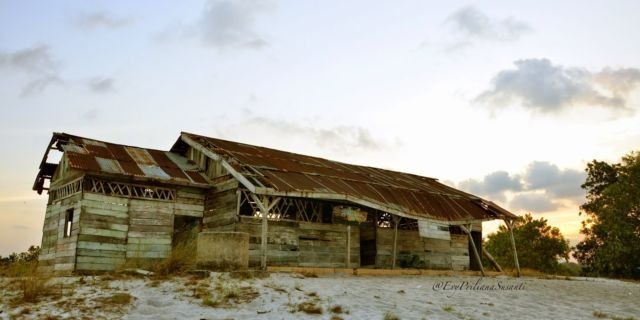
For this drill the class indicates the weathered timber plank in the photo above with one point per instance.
(101, 246)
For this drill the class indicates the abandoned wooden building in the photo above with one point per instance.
(109, 203)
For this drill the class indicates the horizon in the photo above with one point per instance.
(505, 101)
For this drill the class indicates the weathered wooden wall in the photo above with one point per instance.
(414, 251)
(108, 230)
(305, 244)
(58, 253)
(221, 206)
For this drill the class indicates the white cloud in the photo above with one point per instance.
(231, 24)
(102, 19)
(475, 24)
(539, 85)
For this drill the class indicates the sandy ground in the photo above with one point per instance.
(280, 296)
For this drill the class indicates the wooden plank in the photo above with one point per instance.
(155, 240)
(85, 266)
(148, 228)
(101, 239)
(100, 260)
(140, 234)
(104, 232)
(106, 199)
(101, 246)
(100, 253)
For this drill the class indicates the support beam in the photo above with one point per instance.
(396, 221)
(348, 246)
(265, 206)
(473, 246)
(509, 224)
(492, 260)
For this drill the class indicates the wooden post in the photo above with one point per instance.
(493, 261)
(396, 221)
(263, 239)
(265, 206)
(348, 246)
(473, 246)
(513, 246)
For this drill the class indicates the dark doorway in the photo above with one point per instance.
(473, 261)
(185, 229)
(367, 243)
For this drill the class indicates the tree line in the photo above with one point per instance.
(611, 228)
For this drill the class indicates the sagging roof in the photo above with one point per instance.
(284, 173)
(101, 157)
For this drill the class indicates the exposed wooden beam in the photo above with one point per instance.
(242, 179)
(492, 260)
(265, 206)
(396, 221)
(473, 246)
(509, 224)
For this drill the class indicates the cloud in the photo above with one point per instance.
(102, 19)
(493, 185)
(542, 187)
(339, 138)
(539, 85)
(533, 202)
(37, 63)
(101, 85)
(563, 183)
(472, 23)
(20, 227)
(231, 24)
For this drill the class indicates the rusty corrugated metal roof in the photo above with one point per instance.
(412, 194)
(103, 157)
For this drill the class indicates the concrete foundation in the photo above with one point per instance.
(223, 251)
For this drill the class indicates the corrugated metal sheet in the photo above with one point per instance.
(103, 157)
(415, 195)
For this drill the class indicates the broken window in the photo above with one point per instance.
(68, 223)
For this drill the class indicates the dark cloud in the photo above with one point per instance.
(533, 202)
(102, 19)
(472, 23)
(101, 85)
(493, 185)
(231, 24)
(37, 63)
(542, 186)
(562, 183)
(540, 85)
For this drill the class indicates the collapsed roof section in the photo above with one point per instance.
(278, 173)
(104, 158)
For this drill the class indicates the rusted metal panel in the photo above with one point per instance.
(103, 157)
(196, 177)
(83, 162)
(99, 151)
(300, 174)
(140, 156)
(109, 165)
(154, 172)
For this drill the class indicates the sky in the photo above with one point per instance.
(507, 100)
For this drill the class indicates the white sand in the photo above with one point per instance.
(408, 297)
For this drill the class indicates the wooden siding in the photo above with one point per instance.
(297, 243)
(58, 252)
(414, 251)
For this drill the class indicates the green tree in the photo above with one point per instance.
(611, 246)
(540, 246)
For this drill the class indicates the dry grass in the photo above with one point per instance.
(337, 309)
(120, 298)
(181, 259)
(309, 307)
(32, 288)
(390, 316)
(308, 274)
(602, 315)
